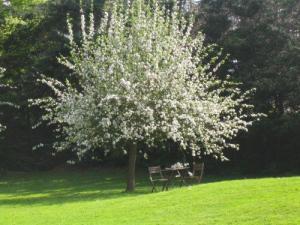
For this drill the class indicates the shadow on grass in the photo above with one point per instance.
(65, 187)
(61, 187)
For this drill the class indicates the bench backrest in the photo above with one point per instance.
(155, 172)
(198, 169)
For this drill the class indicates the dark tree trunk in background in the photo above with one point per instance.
(132, 151)
(279, 104)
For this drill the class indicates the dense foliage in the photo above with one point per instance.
(261, 36)
(28, 48)
(142, 78)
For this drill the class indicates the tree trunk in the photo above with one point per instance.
(279, 104)
(131, 167)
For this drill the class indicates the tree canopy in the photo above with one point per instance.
(262, 38)
(141, 77)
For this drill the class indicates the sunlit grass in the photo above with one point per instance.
(95, 197)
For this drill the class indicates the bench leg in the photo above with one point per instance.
(165, 186)
(153, 187)
(182, 182)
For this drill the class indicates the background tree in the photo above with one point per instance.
(31, 39)
(261, 36)
(141, 78)
(263, 40)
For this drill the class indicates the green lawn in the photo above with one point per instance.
(93, 197)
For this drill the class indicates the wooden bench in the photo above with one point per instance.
(156, 176)
(196, 174)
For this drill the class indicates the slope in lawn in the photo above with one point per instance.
(93, 198)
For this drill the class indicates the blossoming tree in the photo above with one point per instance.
(142, 77)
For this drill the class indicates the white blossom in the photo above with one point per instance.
(145, 82)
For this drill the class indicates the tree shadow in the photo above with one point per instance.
(65, 187)
(50, 188)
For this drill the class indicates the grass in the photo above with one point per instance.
(97, 198)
